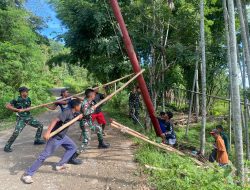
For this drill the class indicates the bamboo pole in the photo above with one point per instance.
(126, 130)
(216, 97)
(98, 104)
(146, 139)
(109, 83)
(191, 98)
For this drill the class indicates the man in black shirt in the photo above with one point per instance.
(60, 139)
(62, 104)
(98, 115)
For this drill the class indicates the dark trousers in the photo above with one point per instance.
(50, 148)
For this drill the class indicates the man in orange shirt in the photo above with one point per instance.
(222, 157)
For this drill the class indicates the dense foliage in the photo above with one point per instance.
(165, 38)
(23, 56)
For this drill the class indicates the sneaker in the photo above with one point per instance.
(27, 179)
(39, 142)
(59, 168)
(7, 149)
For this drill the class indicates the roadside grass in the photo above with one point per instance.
(176, 172)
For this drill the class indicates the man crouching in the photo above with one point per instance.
(60, 139)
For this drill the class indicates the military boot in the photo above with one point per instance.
(73, 159)
(102, 145)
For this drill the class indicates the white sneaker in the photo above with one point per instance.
(59, 168)
(27, 179)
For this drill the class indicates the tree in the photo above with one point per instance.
(237, 125)
(203, 78)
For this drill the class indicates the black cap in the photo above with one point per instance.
(63, 90)
(23, 89)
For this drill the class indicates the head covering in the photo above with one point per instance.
(23, 89)
(214, 131)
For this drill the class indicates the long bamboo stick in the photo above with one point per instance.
(127, 128)
(143, 136)
(164, 147)
(98, 104)
(109, 83)
(215, 97)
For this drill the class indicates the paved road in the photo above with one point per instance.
(110, 169)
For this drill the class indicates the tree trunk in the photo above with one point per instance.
(245, 108)
(246, 20)
(192, 94)
(225, 13)
(203, 78)
(244, 36)
(197, 98)
(235, 94)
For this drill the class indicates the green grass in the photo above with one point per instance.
(179, 172)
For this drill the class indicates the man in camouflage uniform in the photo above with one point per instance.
(87, 109)
(134, 104)
(21, 106)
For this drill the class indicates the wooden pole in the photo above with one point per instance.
(109, 83)
(98, 104)
(192, 96)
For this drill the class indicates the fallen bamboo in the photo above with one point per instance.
(127, 128)
(155, 168)
(98, 104)
(113, 121)
(75, 95)
(131, 132)
(162, 146)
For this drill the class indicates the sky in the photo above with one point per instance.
(47, 12)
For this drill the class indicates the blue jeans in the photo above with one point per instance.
(50, 148)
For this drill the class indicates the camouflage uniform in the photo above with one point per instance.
(134, 105)
(23, 119)
(87, 110)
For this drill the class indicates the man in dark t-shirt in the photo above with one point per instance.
(63, 104)
(60, 139)
(98, 115)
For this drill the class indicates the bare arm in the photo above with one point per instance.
(62, 102)
(50, 127)
(52, 107)
(12, 108)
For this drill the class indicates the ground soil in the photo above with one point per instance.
(109, 169)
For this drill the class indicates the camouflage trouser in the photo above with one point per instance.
(84, 124)
(134, 111)
(21, 123)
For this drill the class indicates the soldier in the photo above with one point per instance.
(134, 104)
(87, 109)
(21, 106)
(62, 104)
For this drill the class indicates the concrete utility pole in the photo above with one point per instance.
(135, 64)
